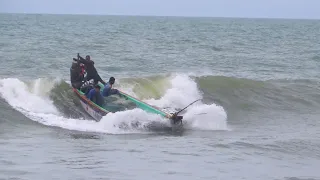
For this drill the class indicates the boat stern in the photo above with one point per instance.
(175, 119)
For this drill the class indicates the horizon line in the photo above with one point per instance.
(146, 15)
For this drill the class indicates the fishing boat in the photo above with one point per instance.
(97, 112)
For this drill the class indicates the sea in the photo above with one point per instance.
(258, 81)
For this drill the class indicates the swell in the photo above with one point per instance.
(247, 94)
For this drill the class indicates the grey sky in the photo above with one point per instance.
(216, 8)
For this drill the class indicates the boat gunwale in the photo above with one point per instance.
(104, 111)
(166, 115)
(87, 101)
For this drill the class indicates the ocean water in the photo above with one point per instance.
(258, 79)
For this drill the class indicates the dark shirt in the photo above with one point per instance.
(95, 97)
(75, 72)
(89, 65)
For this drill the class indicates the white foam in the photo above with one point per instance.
(21, 97)
(183, 91)
(206, 117)
(112, 123)
(32, 102)
(197, 116)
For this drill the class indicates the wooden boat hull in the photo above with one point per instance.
(90, 107)
(97, 112)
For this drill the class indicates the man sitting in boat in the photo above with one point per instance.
(76, 75)
(92, 73)
(95, 95)
(107, 90)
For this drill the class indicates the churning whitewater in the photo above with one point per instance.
(35, 101)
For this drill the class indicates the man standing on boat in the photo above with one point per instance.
(92, 73)
(75, 74)
(107, 90)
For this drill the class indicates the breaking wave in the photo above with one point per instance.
(52, 102)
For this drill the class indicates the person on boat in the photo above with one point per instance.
(107, 90)
(92, 73)
(95, 95)
(75, 74)
(83, 71)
